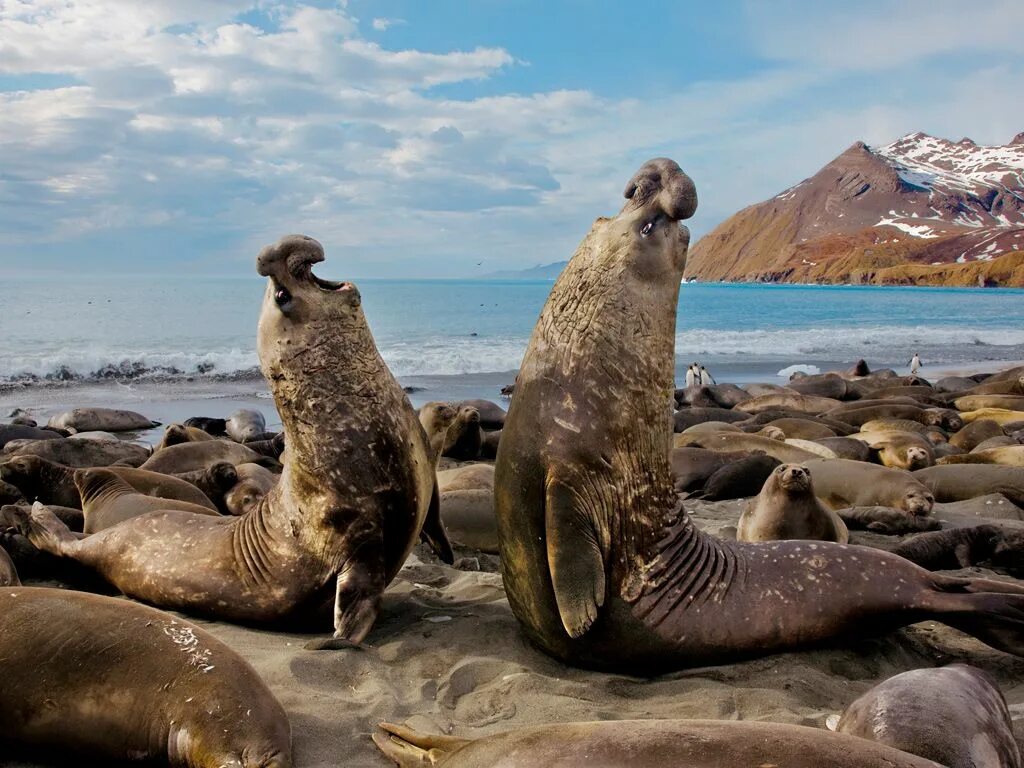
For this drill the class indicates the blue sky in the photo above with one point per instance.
(443, 138)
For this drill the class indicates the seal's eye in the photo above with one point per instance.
(283, 299)
(646, 230)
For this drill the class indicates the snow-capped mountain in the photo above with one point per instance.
(873, 212)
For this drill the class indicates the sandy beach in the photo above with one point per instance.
(448, 656)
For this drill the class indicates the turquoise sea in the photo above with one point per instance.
(168, 329)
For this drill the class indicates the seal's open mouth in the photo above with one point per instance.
(306, 273)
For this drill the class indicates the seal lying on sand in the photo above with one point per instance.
(9, 432)
(187, 457)
(601, 565)
(245, 424)
(787, 508)
(886, 520)
(954, 715)
(738, 479)
(108, 500)
(106, 679)
(42, 480)
(843, 483)
(1003, 548)
(101, 419)
(629, 743)
(467, 506)
(86, 453)
(254, 482)
(956, 482)
(347, 509)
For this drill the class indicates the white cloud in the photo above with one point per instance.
(383, 25)
(238, 121)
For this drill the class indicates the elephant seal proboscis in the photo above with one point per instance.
(245, 424)
(787, 508)
(105, 679)
(1002, 548)
(348, 508)
(844, 483)
(954, 715)
(629, 743)
(108, 500)
(50, 483)
(101, 419)
(600, 563)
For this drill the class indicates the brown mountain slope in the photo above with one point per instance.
(918, 211)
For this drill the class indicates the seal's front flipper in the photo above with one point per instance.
(360, 586)
(433, 531)
(409, 748)
(575, 558)
(45, 531)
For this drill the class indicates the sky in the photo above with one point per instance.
(448, 139)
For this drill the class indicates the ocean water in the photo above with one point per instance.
(165, 329)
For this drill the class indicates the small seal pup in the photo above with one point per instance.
(1002, 548)
(105, 679)
(348, 508)
(652, 743)
(787, 508)
(600, 563)
(101, 419)
(954, 715)
(887, 520)
(738, 479)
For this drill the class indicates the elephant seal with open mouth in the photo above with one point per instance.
(349, 506)
(601, 565)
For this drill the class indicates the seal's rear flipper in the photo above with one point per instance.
(433, 532)
(575, 558)
(992, 611)
(407, 748)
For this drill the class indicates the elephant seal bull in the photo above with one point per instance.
(954, 715)
(106, 680)
(628, 743)
(350, 503)
(601, 565)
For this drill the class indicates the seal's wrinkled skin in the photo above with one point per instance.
(652, 743)
(349, 506)
(601, 565)
(104, 680)
(955, 715)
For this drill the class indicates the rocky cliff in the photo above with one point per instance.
(918, 211)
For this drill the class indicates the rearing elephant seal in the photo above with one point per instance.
(787, 508)
(109, 680)
(601, 565)
(630, 743)
(955, 715)
(348, 508)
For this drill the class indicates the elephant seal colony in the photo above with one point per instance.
(601, 519)
(350, 503)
